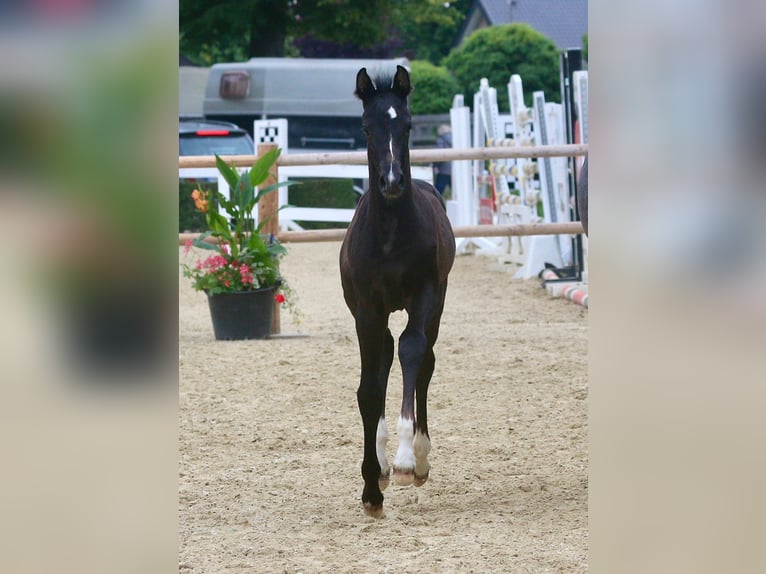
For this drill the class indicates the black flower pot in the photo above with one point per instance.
(242, 315)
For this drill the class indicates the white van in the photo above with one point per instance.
(316, 96)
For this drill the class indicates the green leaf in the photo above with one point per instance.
(276, 249)
(226, 203)
(204, 244)
(255, 243)
(228, 172)
(269, 188)
(266, 219)
(218, 225)
(260, 170)
(246, 200)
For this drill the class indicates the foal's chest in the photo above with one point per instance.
(394, 281)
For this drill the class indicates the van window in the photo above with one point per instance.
(235, 144)
(235, 85)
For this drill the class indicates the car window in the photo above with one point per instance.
(209, 145)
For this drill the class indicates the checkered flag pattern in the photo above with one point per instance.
(271, 132)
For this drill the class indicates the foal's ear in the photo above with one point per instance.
(401, 84)
(364, 86)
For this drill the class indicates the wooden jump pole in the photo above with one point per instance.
(268, 211)
(325, 235)
(416, 156)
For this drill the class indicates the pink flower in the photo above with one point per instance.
(214, 262)
(187, 246)
(244, 273)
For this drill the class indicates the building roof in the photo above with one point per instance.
(563, 21)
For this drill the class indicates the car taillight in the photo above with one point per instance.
(213, 132)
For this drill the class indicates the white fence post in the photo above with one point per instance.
(462, 185)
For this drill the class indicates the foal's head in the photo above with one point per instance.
(386, 120)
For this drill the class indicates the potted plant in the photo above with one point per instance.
(241, 277)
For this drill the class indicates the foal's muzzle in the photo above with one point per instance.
(391, 182)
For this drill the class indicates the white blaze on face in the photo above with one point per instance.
(380, 446)
(392, 114)
(391, 169)
(405, 457)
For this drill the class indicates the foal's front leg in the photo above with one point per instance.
(381, 436)
(373, 343)
(411, 463)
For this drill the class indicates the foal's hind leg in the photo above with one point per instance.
(421, 445)
(411, 350)
(422, 442)
(416, 357)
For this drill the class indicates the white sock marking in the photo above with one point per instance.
(421, 447)
(380, 446)
(392, 113)
(405, 458)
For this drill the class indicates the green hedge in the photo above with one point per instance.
(323, 192)
(498, 52)
(434, 88)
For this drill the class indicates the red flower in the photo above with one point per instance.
(279, 298)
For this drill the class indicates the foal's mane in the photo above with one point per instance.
(384, 82)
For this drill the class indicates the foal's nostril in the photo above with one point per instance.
(383, 183)
(400, 181)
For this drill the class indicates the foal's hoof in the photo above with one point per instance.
(374, 510)
(420, 480)
(383, 480)
(403, 477)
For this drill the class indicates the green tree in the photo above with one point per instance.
(429, 28)
(498, 52)
(434, 88)
(233, 30)
(220, 30)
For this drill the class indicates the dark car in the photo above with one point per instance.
(205, 137)
(208, 137)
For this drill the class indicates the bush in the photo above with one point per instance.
(498, 52)
(323, 192)
(434, 89)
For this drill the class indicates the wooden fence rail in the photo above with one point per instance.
(416, 156)
(326, 235)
